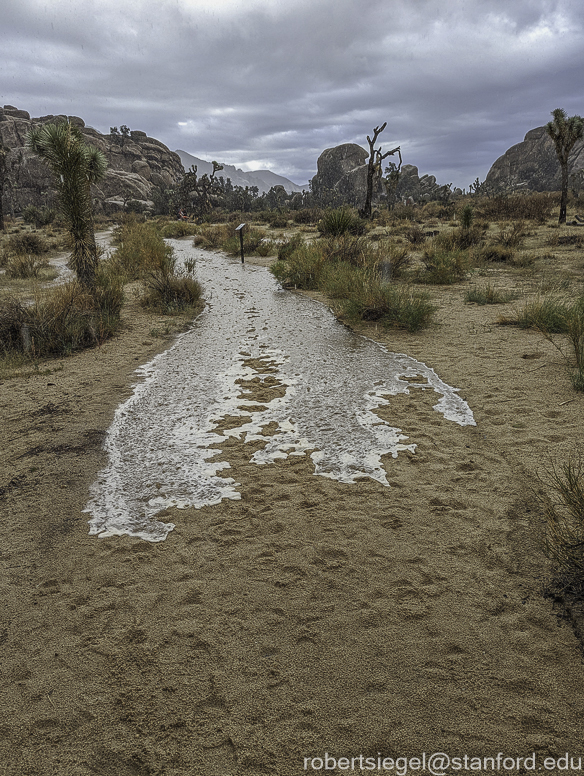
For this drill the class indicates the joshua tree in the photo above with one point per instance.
(75, 166)
(564, 132)
(374, 168)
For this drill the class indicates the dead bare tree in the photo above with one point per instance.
(374, 168)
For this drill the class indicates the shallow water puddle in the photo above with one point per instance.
(319, 385)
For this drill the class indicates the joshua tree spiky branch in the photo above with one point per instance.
(75, 166)
(374, 167)
(564, 132)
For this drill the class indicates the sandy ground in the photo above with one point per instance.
(310, 616)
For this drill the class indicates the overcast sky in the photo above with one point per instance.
(272, 83)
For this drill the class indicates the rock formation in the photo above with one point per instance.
(343, 170)
(138, 164)
(533, 164)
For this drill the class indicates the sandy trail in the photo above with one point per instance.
(309, 616)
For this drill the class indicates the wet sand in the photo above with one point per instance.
(309, 617)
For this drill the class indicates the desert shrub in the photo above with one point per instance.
(139, 248)
(546, 314)
(415, 235)
(392, 306)
(26, 243)
(460, 238)
(393, 261)
(303, 269)
(348, 248)
(287, 248)
(494, 253)
(530, 207)
(577, 240)
(339, 280)
(339, 221)
(512, 235)
(169, 290)
(563, 507)
(176, 229)
(467, 216)
(555, 316)
(443, 267)
(212, 237)
(68, 319)
(309, 215)
(523, 260)
(435, 209)
(488, 294)
(39, 216)
(277, 219)
(252, 243)
(25, 266)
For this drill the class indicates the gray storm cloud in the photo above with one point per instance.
(271, 84)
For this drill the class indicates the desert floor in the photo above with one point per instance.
(310, 616)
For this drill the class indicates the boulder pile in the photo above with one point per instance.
(138, 165)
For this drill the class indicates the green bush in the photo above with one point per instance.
(139, 248)
(467, 216)
(66, 320)
(563, 506)
(392, 306)
(39, 216)
(307, 215)
(340, 221)
(460, 238)
(303, 268)
(488, 295)
(443, 267)
(176, 229)
(213, 236)
(26, 243)
(512, 235)
(252, 243)
(528, 207)
(25, 266)
(494, 253)
(287, 248)
(169, 290)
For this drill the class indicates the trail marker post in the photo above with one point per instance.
(240, 229)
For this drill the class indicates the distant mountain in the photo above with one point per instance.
(263, 179)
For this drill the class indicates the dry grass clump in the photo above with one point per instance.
(176, 229)
(139, 248)
(348, 269)
(512, 235)
(442, 266)
(25, 266)
(563, 507)
(523, 207)
(170, 290)
(552, 316)
(66, 319)
(212, 236)
(392, 306)
(488, 294)
(26, 243)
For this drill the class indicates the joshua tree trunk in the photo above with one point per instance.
(564, 132)
(374, 168)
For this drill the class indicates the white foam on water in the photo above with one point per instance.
(163, 444)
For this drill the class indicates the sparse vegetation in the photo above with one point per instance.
(563, 505)
(488, 294)
(342, 220)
